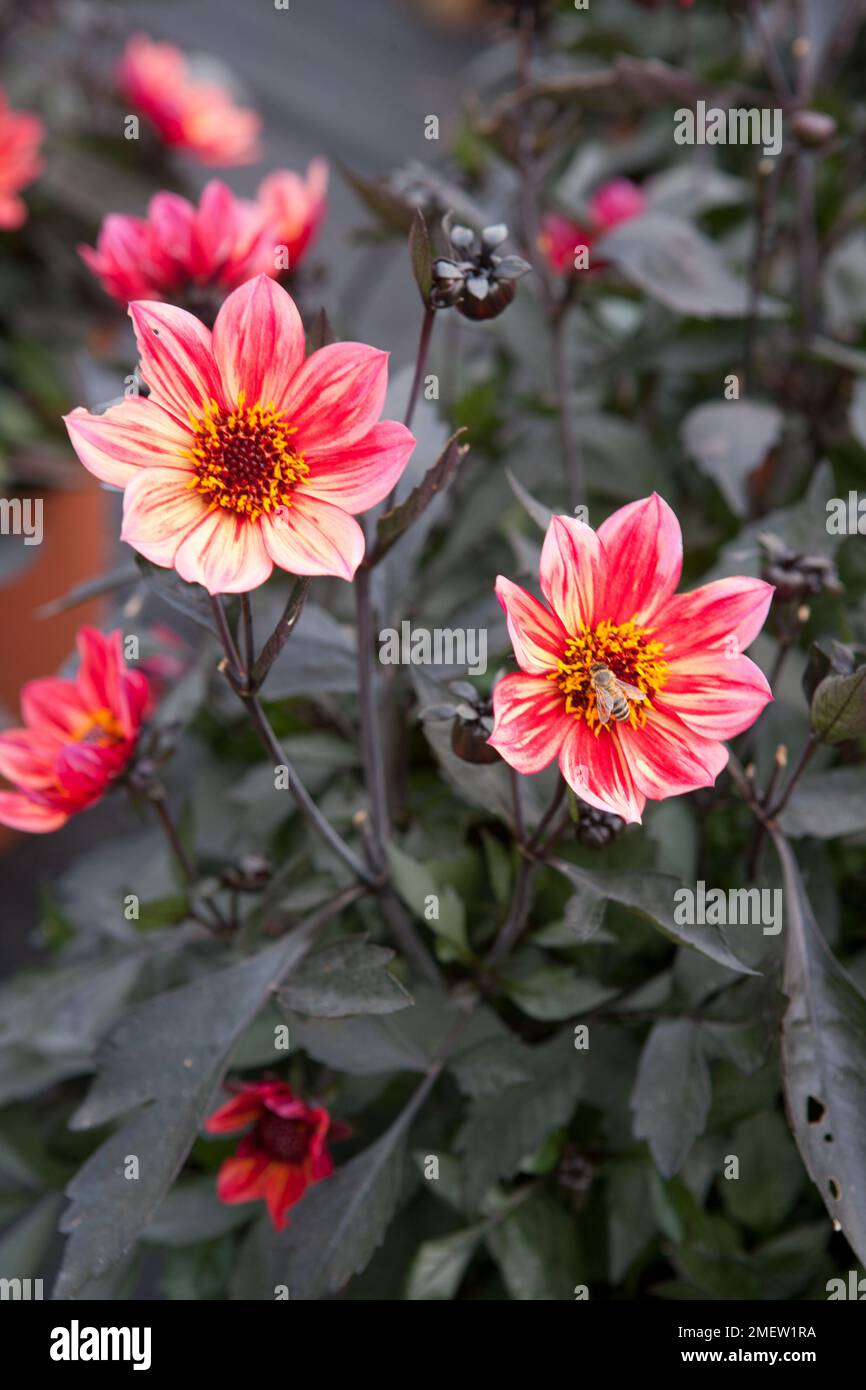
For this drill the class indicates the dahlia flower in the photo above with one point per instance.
(20, 136)
(295, 207)
(197, 117)
(80, 734)
(180, 248)
(612, 606)
(244, 455)
(560, 238)
(284, 1152)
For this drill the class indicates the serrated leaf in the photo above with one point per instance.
(672, 1092)
(334, 1230)
(839, 707)
(535, 1248)
(407, 1041)
(348, 977)
(653, 896)
(505, 1127)
(827, 804)
(440, 1264)
(631, 1220)
(824, 1060)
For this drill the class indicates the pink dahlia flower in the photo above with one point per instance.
(197, 117)
(560, 238)
(244, 455)
(80, 735)
(612, 607)
(182, 248)
(295, 207)
(20, 137)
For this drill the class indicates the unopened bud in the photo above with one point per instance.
(813, 128)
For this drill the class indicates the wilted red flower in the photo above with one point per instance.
(245, 455)
(197, 117)
(20, 136)
(80, 735)
(295, 207)
(560, 238)
(179, 248)
(613, 606)
(284, 1153)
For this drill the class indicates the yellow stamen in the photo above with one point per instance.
(628, 651)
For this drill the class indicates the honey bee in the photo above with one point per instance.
(612, 695)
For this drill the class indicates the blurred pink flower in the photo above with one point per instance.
(179, 247)
(559, 239)
(296, 207)
(20, 136)
(244, 455)
(197, 117)
(80, 734)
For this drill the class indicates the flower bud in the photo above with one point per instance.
(595, 828)
(813, 128)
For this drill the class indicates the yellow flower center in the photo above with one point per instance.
(100, 727)
(245, 459)
(625, 649)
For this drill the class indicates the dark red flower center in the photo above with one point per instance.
(286, 1140)
(245, 459)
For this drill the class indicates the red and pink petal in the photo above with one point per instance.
(573, 573)
(129, 437)
(538, 636)
(360, 475)
(530, 722)
(313, 537)
(258, 343)
(644, 546)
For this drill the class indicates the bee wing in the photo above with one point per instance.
(605, 700)
(631, 691)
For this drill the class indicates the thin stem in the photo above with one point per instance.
(249, 639)
(281, 633)
(302, 797)
(420, 365)
(805, 759)
(208, 914)
(235, 667)
(555, 803)
(372, 753)
(517, 916)
(517, 805)
(176, 845)
(303, 800)
(572, 461)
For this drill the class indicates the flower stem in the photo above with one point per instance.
(420, 363)
(572, 460)
(198, 909)
(372, 753)
(303, 800)
(281, 633)
(249, 639)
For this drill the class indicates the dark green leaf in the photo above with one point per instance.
(672, 1093)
